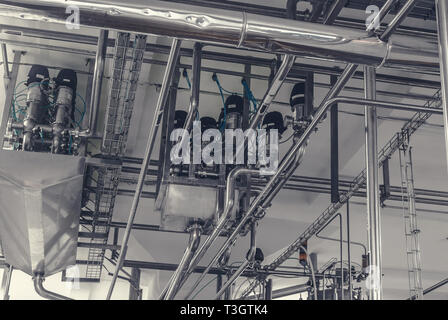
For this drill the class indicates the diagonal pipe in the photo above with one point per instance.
(161, 102)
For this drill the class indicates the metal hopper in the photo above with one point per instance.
(40, 203)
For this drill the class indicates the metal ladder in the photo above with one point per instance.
(412, 231)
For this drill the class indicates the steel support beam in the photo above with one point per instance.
(334, 149)
(373, 201)
(135, 293)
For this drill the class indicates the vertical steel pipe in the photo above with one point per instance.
(373, 201)
(442, 28)
(348, 251)
(6, 74)
(195, 87)
(166, 82)
(268, 290)
(98, 74)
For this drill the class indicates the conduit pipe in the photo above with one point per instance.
(224, 218)
(161, 102)
(237, 29)
(38, 286)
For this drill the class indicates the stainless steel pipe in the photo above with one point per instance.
(38, 286)
(373, 198)
(397, 20)
(6, 73)
(163, 95)
(274, 87)
(98, 74)
(244, 265)
(193, 243)
(238, 29)
(223, 219)
(284, 167)
(195, 87)
(442, 27)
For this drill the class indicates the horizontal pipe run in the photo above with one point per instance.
(284, 292)
(207, 55)
(217, 271)
(237, 29)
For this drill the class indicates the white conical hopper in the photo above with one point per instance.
(40, 203)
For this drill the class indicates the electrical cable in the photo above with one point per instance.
(223, 124)
(312, 272)
(205, 286)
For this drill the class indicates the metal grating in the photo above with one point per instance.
(101, 185)
(123, 86)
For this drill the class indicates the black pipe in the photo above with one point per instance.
(334, 150)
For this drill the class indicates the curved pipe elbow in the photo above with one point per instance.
(38, 286)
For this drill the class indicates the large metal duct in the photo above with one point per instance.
(40, 203)
(237, 29)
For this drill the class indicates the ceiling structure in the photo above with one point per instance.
(292, 211)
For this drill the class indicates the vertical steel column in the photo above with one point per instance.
(163, 95)
(334, 146)
(442, 28)
(218, 282)
(9, 96)
(135, 293)
(6, 74)
(348, 252)
(268, 290)
(373, 204)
